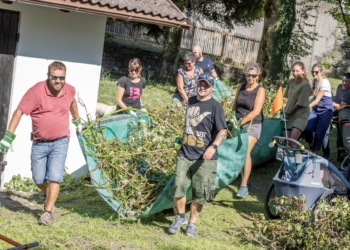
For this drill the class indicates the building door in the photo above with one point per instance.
(8, 40)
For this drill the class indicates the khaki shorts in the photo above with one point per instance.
(202, 175)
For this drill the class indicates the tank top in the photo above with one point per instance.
(190, 85)
(245, 103)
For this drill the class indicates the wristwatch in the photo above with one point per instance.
(215, 146)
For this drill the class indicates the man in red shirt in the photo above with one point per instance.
(48, 103)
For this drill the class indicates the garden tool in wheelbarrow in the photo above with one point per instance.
(17, 245)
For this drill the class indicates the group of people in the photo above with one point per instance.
(309, 110)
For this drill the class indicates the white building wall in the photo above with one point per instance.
(47, 35)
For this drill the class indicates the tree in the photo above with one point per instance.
(226, 13)
(341, 12)
(281, 36)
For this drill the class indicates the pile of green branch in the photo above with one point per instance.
(326, 227)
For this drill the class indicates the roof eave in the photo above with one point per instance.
(115, 13)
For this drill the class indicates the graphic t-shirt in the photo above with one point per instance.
(206, 65)
(133, 92)
(204, 119)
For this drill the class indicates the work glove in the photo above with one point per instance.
(284, 117)
(79, 125)
(6, 142)
(178, 140)
(131, 112)
(143, 108)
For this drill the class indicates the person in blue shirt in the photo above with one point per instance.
(203, 62)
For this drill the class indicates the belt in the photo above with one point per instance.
(46, 141)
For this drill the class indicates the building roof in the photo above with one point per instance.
(163, 13)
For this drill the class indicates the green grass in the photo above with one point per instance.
(82, 220)
(137, 44)
(155, 94)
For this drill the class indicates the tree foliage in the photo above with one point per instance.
(281, 36)
(341, 12)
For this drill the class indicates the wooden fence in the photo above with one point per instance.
(222, 44)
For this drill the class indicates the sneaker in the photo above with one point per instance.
(46, 219)
(178, 222)
(243, 191)
(191, 229)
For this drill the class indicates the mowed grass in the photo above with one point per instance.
(82, 220)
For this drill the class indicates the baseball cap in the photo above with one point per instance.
(207, 78)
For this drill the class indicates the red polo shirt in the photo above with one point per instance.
(50, 114)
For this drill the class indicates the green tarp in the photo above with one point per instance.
(232, 154)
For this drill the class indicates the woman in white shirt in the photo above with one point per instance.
(322, 109)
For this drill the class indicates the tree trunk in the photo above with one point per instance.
(264, 54)
(172, 42)
(278, 66)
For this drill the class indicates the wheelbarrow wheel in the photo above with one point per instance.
(327, 196)
(270, 203)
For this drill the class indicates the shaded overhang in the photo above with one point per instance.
(163, 13)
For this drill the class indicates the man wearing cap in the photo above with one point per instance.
(203, 62)
(48, 103)
(196, 163)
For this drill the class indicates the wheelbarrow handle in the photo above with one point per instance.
(26, 246)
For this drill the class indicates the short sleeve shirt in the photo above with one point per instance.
(133, 91)
(298, 94)
(206, 65)
(342, 95)
(49, 114)
(325, 85)
(204, 119)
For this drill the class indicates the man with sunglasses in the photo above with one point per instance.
(48, 103)
(196, 162)
(205, 63)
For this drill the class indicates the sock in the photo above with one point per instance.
(182, 216)
(48, 212)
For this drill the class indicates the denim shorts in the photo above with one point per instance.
(177, 98)
(202, 175)
(48, 160)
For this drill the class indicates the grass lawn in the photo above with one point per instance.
(84, 221)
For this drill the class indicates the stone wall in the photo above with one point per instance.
(116, 59)
(338, 60)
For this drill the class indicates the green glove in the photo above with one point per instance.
(233, 113)
(178, 140)
(6, 142)
(143, 108)
(78, 124)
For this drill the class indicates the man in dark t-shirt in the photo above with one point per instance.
(196, 163)
(203, 62)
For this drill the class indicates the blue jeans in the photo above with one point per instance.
(318, 122)
(48, 160)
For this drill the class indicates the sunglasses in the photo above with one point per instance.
(315, 72)
(188, 63)
(204, 76)
(250, 75)
(134, 70)
(54, 78)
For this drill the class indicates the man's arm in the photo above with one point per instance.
(210, 151)
(16, 118)
(74, 110)
(213, 73)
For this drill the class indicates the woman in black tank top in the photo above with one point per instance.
(250, 98)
